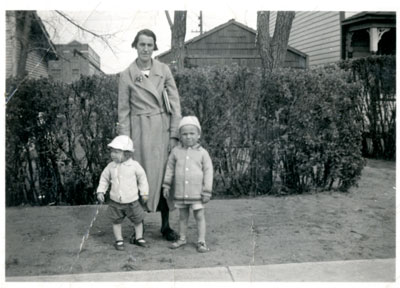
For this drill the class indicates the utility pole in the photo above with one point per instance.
(200, 23)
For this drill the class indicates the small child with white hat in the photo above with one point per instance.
(190, 168)
(127, 178)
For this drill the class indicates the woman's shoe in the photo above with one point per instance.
(170, 234)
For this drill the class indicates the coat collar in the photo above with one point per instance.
(156, 68)
(151, 84)
(128, 162)
(195, 147)
(155, 71)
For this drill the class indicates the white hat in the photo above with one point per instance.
(190, 120)
(122, 142)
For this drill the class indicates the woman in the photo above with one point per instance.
(143, 116)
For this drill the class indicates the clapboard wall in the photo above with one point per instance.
(316, 33)
(39, 53)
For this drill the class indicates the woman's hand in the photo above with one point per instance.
(166, 193)
(172, 143)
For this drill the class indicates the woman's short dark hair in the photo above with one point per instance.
(148, 33)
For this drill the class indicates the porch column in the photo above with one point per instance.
(375, 34)
(348, 48)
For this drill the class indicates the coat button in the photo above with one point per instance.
(187, 182)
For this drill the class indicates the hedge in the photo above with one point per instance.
(377, 75)
(294, 131)
(56, 139)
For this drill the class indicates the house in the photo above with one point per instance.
(315, 33)
(369, 33)
(27, 27)
(227, 44)
(74, 59)
(329, 36)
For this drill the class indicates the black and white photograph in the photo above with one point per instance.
(174, 144)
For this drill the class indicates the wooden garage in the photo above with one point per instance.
(228, 44)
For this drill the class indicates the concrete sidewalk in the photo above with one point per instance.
(373, 270)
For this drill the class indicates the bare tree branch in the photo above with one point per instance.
(102, 37)
(169, 19)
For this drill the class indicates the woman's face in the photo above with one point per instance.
(145, 48)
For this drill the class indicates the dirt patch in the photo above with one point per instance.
(253, 231)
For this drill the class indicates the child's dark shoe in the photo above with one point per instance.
(140, 242)
(119, 245)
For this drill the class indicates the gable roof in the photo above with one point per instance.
(74, 42)
(44, 31)
(222, 26)
(370, 16)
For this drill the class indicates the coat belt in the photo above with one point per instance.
(151, 112)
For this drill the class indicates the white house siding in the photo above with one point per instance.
(36, 65)
(11, 44)
(316, 33)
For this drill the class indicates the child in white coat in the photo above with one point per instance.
(127, 179)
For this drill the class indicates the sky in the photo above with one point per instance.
(120, 28)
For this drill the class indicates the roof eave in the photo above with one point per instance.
(217, 28)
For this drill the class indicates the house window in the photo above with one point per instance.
(56, 73)
(75, 74)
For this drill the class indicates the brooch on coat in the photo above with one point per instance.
(139, 78)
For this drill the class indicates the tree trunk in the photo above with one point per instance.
(263, 39)
(31, 177)
(273, 53)
(273, 50)
(280, 39)
(178, 33)
(26, 19)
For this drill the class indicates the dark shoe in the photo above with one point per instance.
(119, 245)
(170, 234)
(140, 242)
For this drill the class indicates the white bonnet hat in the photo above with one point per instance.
(122, 142)
(190, 120)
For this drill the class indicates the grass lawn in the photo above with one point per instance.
(253, 231)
